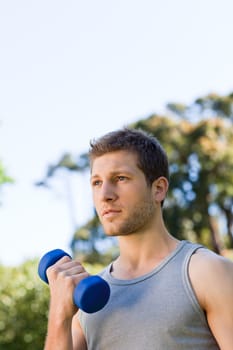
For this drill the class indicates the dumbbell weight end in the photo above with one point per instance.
(90, 295)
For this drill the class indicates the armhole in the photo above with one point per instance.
(188, 284)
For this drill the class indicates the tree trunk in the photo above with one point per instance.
(214, 234)
(229, 219)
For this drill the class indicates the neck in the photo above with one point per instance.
(142, 252)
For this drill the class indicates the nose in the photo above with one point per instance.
(108, 192)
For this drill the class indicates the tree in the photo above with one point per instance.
(199, 141)
(23, 308)
(4, 178)
(201, 163)
(90, 244)
(211, 144)
(217, 105)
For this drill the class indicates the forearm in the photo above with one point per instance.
(63, 276)
(59, 336)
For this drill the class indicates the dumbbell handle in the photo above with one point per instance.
(90, 295)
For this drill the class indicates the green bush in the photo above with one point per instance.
(23, 308)
(24, 302)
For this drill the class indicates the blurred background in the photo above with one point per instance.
(72, 71)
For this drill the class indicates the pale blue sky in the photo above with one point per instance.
(73, 70)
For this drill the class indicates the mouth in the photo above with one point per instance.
(110, 212)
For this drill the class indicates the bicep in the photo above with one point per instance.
(212, 279)
(219, 308)
(79, 341)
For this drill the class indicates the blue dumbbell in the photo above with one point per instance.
(90, 295)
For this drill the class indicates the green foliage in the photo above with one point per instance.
(4, 178)
(24, 304)
(216, 105)
(23, 308)
(198, 139)
(67, 162)
(87, 241)
(199, 143)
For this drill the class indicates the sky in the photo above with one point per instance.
(71, 71)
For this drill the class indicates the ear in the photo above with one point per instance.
(160, 188)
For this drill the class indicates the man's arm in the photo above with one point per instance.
(79, 341)
(59, 336)
(64, 331)
(212, 279)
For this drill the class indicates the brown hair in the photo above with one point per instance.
(152, 158)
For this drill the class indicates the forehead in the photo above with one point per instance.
(115, 161)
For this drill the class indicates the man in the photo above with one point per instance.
(165, 294)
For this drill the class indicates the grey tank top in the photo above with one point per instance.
(156, 311)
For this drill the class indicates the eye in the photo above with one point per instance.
(121, 178)
(96, 183)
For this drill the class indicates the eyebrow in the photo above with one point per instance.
(113, 173)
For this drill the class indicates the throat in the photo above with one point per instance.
(124, 272)
(138, 261)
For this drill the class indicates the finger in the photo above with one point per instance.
(64, 263)
(65, 268)
(79, 277)
(75, 270)
(62, 260)
(70, 268)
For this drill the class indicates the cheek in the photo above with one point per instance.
(95, 200)
(98, 204)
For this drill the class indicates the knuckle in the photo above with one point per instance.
(51, 272)
(69, 281)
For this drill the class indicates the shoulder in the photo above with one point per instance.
(211, 276)
(204, 257)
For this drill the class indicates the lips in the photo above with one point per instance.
(109, 212)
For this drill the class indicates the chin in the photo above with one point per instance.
(110, 231)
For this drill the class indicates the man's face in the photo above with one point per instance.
(123, 200)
